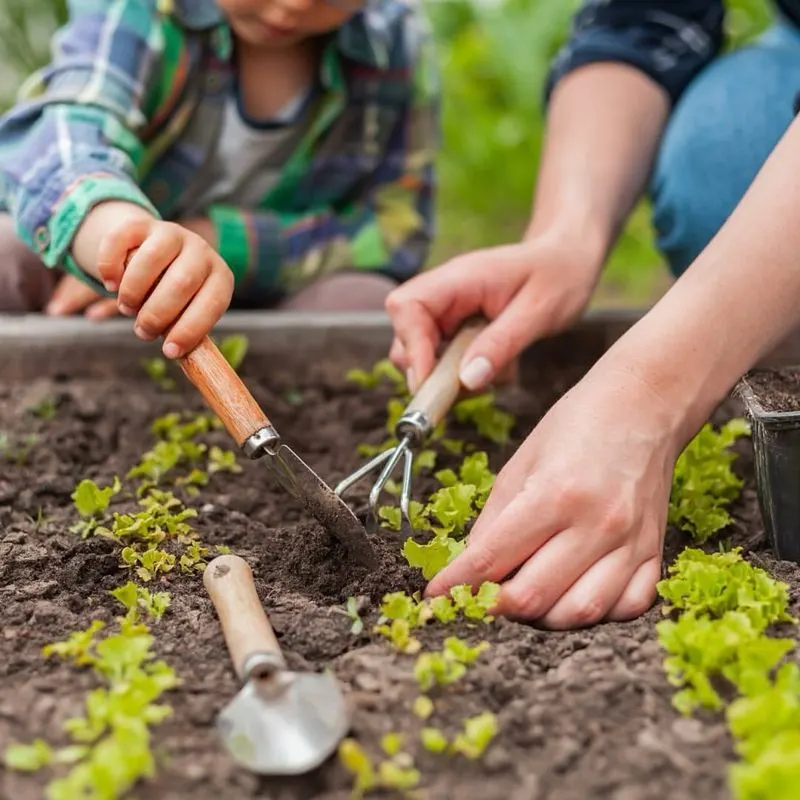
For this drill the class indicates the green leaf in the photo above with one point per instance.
(127, 595)
(90, 500)
(478, 733)
(234, 348)
(432, 557)
(433, 740)
(704, 483)
(356, 761)
(423, 707)
(453, 507)
(392, 744)
(28, 757)
(490, 422)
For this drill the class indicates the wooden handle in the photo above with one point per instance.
(441, 388)
(229, 582)
(224, 391)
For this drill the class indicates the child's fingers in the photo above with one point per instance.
(205, 310)
(174, 290)
(114, 247)
(102, 309)
(70, 296)
(153, 257)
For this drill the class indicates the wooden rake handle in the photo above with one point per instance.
(229, 582)
(441, 388)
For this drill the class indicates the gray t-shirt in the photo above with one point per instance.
(250, 155)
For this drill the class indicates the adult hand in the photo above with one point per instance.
(527, 290)
(72, 296)
(580, 509)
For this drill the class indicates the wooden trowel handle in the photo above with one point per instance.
(229, 582)
(223, 391)
(441, 388)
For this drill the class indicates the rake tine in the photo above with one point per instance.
(396, 455)
(345, 484)
(405, 492)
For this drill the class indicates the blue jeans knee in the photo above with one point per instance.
(720, 134)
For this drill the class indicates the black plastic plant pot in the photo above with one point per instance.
(776, 445)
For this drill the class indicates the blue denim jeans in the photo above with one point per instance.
(720, 133)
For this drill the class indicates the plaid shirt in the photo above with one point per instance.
(670, 40)
(130, 108)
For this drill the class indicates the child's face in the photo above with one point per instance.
(282, 22)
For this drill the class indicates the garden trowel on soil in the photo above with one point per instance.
(281, 722)
(427, 409)
(250, 427)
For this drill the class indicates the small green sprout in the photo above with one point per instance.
(352, 611)
(234, 349)
(478, 733)
(423, 707)
(157, 370)
(433, 740)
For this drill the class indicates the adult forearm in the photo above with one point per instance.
(604, 124)
(738, 300)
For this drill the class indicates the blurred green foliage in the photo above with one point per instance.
(494, 60)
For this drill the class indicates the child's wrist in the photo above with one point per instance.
(98, 222)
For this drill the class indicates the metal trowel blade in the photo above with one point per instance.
(321, 502)
(287, 724)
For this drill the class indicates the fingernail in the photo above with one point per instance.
(111, 286)
(476, 374)
(171, 350)
(142, 333)
(53, 309)
(411, 380)
(123, 309)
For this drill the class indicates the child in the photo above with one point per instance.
(182, 153)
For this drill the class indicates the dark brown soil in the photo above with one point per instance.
(776, 390)
(582, 715)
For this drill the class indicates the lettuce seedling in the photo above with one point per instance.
(351, 609)
(91, 502)
(393, 519)
(399, 636)
(193, 559)
(701, 650)
(448, 665)
(476, 606)
(714, 583)
(478, 733)
(489, 421)
(220, 460)
(432, 557)
(774, 774)
(234, 349)
(383, 370)
(46, 409)
(474, 471)
(135, 597)
(433, 740)
(157, 370)
(704, 483)
(453, 507)
(423, 707)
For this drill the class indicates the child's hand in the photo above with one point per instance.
(168, 278)
(72, 295)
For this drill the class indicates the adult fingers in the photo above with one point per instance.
(640, 593)
(417, 337)
(518, 532)
(200, 316)
(593, 594)
(493, 351)
(550, 572)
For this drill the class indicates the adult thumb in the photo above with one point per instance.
(500, 343)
